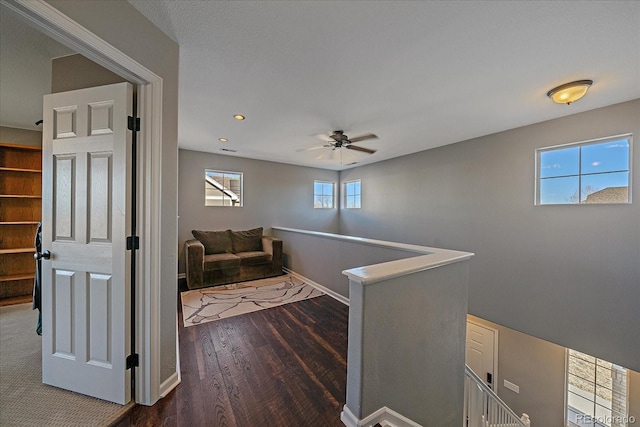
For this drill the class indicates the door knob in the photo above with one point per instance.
(41, 255)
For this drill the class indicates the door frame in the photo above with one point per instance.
(60, 27)
(495, 350)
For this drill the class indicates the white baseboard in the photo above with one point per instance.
(169, 384)
(384, 416)
(331, 293)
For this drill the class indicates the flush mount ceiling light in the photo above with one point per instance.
(569, 92)
(239, 117)
(222, 139)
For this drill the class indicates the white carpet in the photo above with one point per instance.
(209, 304)
(24, 400)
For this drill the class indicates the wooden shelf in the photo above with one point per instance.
(22, 299)
(20, 170)
(20, 147)
(17, 251)
(13, 277)
(20, 211)
(19, 222)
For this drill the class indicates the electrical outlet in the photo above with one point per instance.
(511, 386)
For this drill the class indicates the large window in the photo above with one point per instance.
(352, 194)
(323, 194)
(222, 188)
(589, 172)
(596, 392)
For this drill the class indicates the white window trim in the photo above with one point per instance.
(629, 136)
(344, 198)
(566, 390)
(333, 194)
(228, 192)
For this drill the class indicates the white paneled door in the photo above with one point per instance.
(480, 352)
(85, 215)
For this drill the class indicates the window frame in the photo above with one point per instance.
(580, 175)
(346, 194)
(595, 420)
(240, 196)
(333, 194)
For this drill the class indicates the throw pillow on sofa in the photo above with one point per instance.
(247, 240)
(215, 242)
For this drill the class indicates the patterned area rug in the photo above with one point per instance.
(209, 304)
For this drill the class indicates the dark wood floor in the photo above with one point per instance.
(284, 366)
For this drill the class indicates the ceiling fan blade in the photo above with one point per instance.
(356, 148)
(363, 137)
(317, 147)
(322, 137)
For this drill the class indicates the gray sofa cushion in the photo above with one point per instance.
(220, 261)
(247, 240)
(254, 258)
(215, 242)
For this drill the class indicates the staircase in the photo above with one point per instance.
(483, 408)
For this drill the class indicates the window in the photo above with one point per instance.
(323, 194)
(352, 194)
(584, 173)
(222, 188)
(596, 392)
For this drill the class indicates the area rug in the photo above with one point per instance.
(209, 304)
(24, 400)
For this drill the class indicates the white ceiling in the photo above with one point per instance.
(419, 74)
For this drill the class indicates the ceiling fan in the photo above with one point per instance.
(339, 140)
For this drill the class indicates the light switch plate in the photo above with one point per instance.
(511, 386)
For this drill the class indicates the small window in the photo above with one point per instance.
(323, 194)
(222, 188)
(352, 194)
(596, 392)
(585, 173)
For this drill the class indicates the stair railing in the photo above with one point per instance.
(483, 408)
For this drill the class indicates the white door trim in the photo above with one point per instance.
(52, 22)
(495, 351)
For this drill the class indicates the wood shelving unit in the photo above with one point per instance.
(20, 212)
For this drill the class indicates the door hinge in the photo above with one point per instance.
(133, 360)
(133, 124)
(133, 242)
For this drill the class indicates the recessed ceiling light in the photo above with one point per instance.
(222, 139)
(569, 92)
(239, 117)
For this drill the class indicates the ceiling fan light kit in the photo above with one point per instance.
(569, 92)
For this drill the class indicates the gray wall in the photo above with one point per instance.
(538, 368)
(567, 274)
(20, 136)
(121, 25)
(322, 259)
(274, 194)
(78, 72)
(406, 345)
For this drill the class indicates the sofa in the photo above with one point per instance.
(226, 256)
